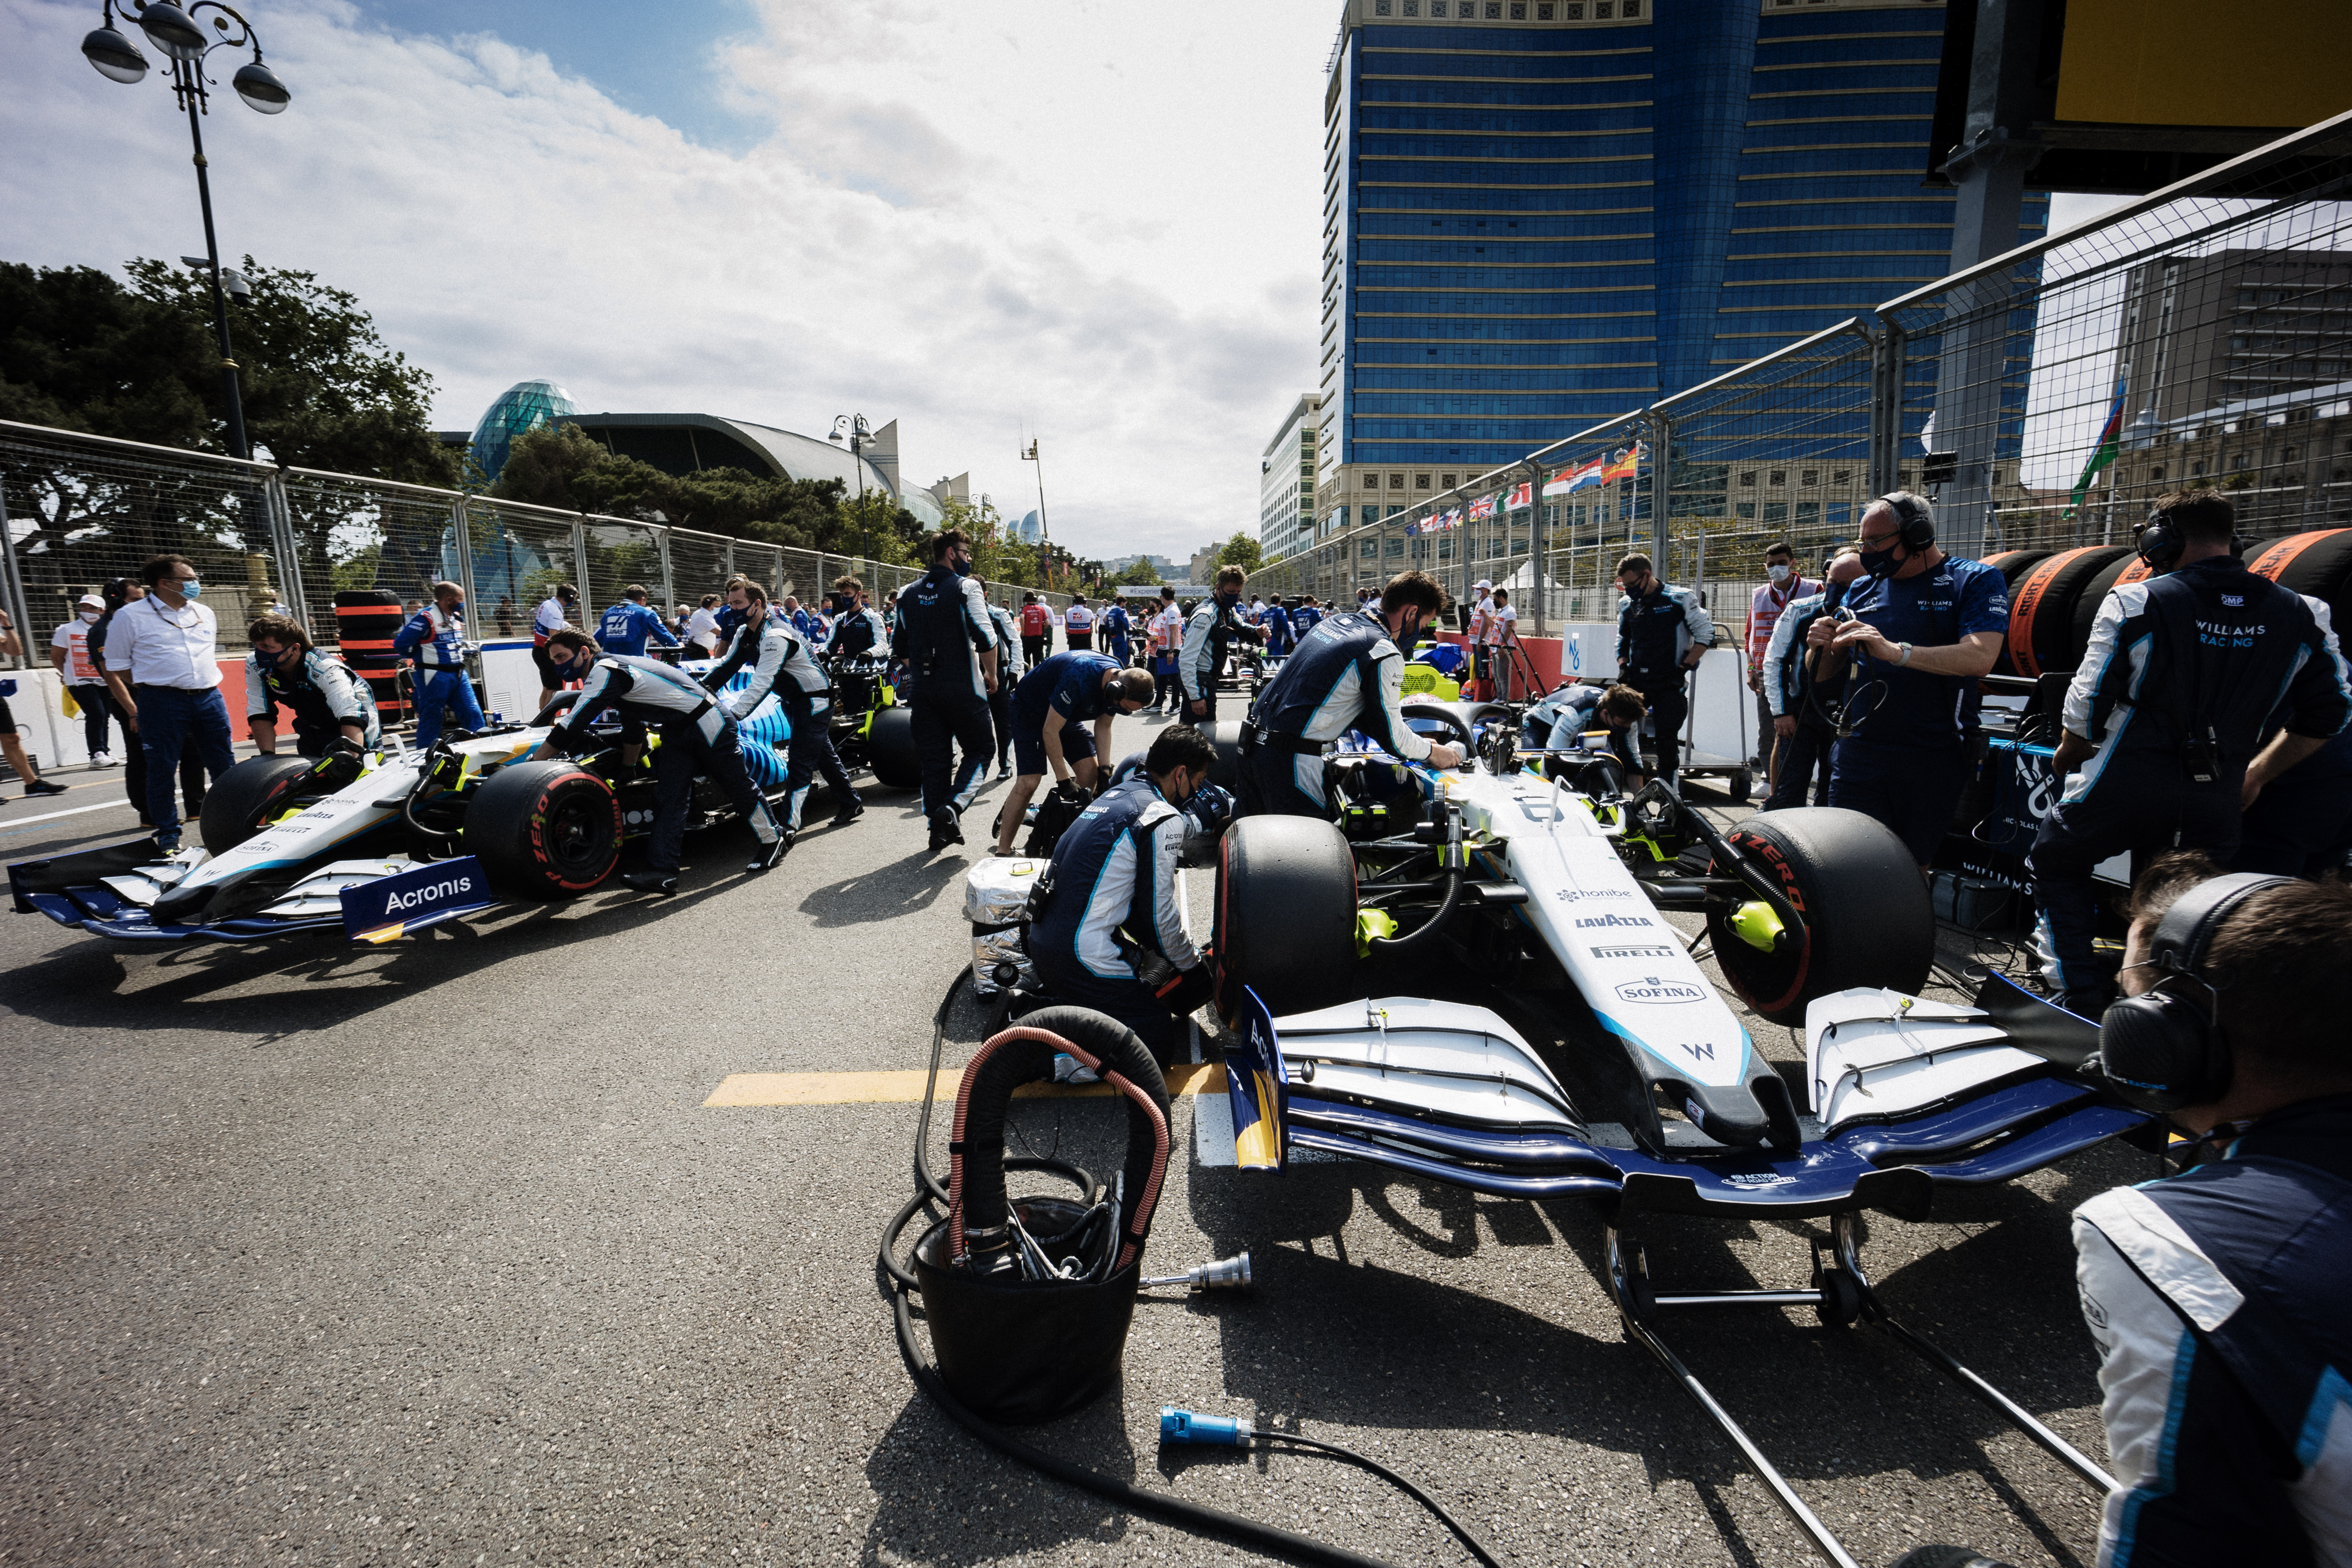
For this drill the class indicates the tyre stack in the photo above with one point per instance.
(366, 620)
(2044, 599)
(2318, 564)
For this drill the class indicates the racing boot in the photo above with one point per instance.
(849, 813)
(664, 883)
(770, 851)
(945, 828)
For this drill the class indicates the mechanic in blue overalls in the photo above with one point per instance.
(1804, 688)
(2300, 824)
(1560, 721)
(1051, 710)
(1920, 632)
(782, 659)
(333, 708)
(857, 631)
(944, 632)
(626, 627)
(1008, 680)
(1273, 625)
(1212, 629)
(1662, 634)
(2164, 722)
(697, 738)
(1347, 674)
(1111, 937)
(435, 636)
(1114, 628)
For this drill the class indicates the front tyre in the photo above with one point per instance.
(1867, 917)
(244, 800)
(1286, 923)
(544, 830)
(890, 750)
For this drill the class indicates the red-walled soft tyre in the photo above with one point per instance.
(1868, 921)
(2041, 608)
(2318, 564)
(544, 830)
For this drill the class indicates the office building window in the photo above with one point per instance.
(1381, 8)
(1413, 8)
(1575, 10)
(1494, 10)
(1841, 476)
(1368, 549)
(1776, 512)
(1518, 10)
(1449, 481)
(1633, 9)
(1543, 10)
(1396, 549)
(1748, 510)
(1810, 477)
(1602, 10)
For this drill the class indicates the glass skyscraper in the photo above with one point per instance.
(1539, 213)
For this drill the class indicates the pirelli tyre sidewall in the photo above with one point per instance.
(544, 830)
(890, 750)
(2041, 608)
(243, 800)
(1285, 920)
(1867, 917)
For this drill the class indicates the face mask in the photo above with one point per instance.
(90, 617)
(963, 567)
(192, 589)
(1777, 574)
(1879, 563)
(1834, 595)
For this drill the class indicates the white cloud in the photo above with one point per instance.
(1089, 219)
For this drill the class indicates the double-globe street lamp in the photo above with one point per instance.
(185, 43)
(853, 430)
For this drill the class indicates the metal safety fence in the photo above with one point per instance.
(2200, 336)
(76, 511)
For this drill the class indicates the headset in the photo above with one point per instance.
(1914, 516)
(2159, 542)
(2164, 1049)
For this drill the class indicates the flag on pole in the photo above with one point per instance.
(1626, 464)
(2110, 441)
(1482, 509)
(1522, 496)
(1568, 481)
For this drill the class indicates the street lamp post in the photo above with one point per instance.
(176, 33)
(859, 434)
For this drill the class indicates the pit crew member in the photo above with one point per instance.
(1662, 634)
(783, 661)
(1050, 711)
(697, 737)
(1078, 624)
(1274, 622)
(11, 746)
(553, 612)
(1303, 619)
(69, 657)
(1115, 630)
(1927, 626)
(1213, 627)
(1560, 722)
(1347, 673)
(1036, 630)
(626, 627)
(333, 708)
(435, 636)
(2300, 823)
(1804, 689)
(1111, 937)
(944, 634)
(1783, 587)
(2185, 670)
(2221, 1298)
(857, 631)
(1008, 678)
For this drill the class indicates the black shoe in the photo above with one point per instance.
(945, 828)
(662, 882)
(43, 786)
(768, 854)
(1004, 772)
(849, 813)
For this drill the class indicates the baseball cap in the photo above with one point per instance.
(93, 600)
(1482, 582)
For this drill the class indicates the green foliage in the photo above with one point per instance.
(1136, 575)
(997, 553)
(80, 352)
(1243, 551)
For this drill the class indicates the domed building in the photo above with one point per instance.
(520, 408)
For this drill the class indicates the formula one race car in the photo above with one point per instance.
(388, 844)
(1466, 975)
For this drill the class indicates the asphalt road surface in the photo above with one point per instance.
(433, 1254)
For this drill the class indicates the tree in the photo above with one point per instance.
(1140, 573)
(1243, 551)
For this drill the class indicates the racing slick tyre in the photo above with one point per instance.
(2041, 608)
(1867, 918)
(890, 750)
(1740, 787)
(1286, 921)
(1225, 735)
(544, 830)
(243, 800)
(2318, 564)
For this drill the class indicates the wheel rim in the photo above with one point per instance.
(575, 838)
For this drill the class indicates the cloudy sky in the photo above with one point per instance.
(1092, 221)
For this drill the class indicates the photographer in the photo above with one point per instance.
(2221, 1298)
(943, 631)
(2186, 669)
(1919, 633)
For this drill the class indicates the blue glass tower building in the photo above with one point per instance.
(1542, 213)
(523, 407)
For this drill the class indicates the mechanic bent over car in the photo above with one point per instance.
(944, 632)
(783, 661)
(1347, 673)
(627, 626)
(1663, 633)
(333, 708)
(1110, 936)
(1214, 628)
(435, 636)
(697, 736)
(1050, 711)
(1560, 722)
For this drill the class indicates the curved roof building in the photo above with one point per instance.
(687, 443)
(519, 407)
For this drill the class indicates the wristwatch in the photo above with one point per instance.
(1907, 655)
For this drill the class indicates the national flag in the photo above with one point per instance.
(1482, 509)
(1453, 519)
(1626, 464)
(2110, 442)
(1522, 496)
(1570, 480)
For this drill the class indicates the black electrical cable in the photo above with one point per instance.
(1195, 1517)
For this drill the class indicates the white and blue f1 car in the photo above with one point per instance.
(1466, 975)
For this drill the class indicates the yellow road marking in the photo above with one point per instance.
(741, 1088)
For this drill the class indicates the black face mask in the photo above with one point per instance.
(1832, 595)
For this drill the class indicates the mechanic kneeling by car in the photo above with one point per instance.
(1110, 936)
(1050, 711)
(697, 737)
(783, 660)
(333, 708)
(1347, 673)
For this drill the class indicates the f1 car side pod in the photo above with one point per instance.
(1910, 1097)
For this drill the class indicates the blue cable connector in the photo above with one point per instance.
(1186, 1427)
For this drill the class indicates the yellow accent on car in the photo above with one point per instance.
(1754, 923)
(1371, 924)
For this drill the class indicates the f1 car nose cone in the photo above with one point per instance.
(181, 905)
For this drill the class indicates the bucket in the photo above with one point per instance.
(1018, 1352)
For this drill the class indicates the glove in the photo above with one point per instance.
(1069, 790)
(1185, 990)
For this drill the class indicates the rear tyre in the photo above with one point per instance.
(544, 830)
(890, 750)
(242, 800)
(1286, 923)
(1225, 735)
(1867, 918)
(1741, 786)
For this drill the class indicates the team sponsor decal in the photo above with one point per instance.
(1758, 1179)
(1644, 952)
(1573, 895)
(1652, 989)
(418, 898)
(1635, 922)
(389, 907)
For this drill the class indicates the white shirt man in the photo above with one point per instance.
(166, 646)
